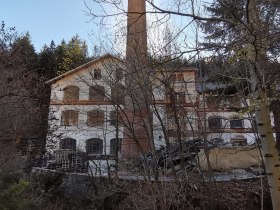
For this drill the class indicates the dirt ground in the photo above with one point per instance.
(111, 194)
(237, 194)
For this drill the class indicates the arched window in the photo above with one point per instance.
(94, 146)
(118, 93)
(67, 143)
(95, 117)
(71, 93)
(96, 92)
(114, 146)
(215, 122)
(69, 118)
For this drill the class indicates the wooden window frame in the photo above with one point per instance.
(95, 117)
(69, 118)
(71, 93)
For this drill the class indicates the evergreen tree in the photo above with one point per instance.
(48, 61)
(26, 52)
(71, 55)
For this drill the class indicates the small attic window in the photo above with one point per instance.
(97, 73)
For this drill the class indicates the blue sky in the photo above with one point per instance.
(48, 20)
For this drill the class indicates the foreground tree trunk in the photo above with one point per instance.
(275, 107)
(256, 54)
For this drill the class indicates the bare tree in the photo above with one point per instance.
(255, 40)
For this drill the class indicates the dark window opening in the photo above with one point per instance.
(67, 143)
(115, 146)
(236, 124)
(94, 146)
(215, 122)
(97, 74)
(113, 117)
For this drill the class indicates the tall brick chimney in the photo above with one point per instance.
(137, 131)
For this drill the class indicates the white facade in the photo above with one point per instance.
(83, 78)
(171, 88)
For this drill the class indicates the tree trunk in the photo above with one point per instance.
(270, 153)
(275, 107)
(256, 54)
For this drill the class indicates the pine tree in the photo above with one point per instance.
(48, 61)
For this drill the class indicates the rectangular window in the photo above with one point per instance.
(180, 77)
(95, 118)
(215, 123)
(69, 118)
(97, 74)
(236, 124)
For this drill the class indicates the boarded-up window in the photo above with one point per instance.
(97, 74)
(67, 143)
(95, 118)
(115, 146)
(96, 92)
(236, 123)
(118, 93)
(215, 122)
(69, 118)
(94, 146)
(71, 93)
(180, 77)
